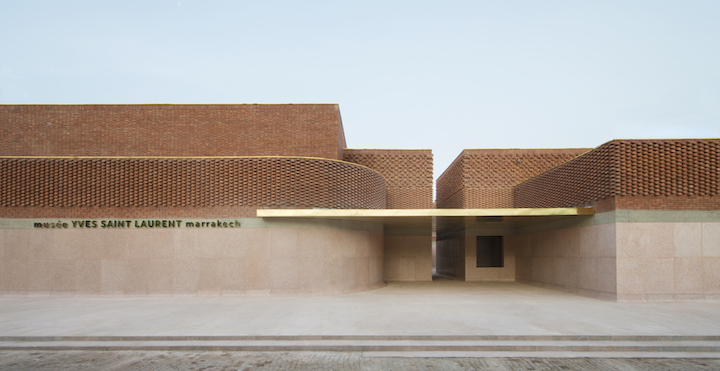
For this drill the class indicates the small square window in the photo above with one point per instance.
(489, 251)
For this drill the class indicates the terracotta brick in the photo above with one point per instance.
(309, 130)
(141, 161)
(200, 187)
(632, 174)
(485, 178)
(408, 173)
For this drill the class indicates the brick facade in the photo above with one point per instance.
(450, 185)
(632, 174)
(308, 130)
(485, 178)
(626, 174)
(190, 187)
(408, 173)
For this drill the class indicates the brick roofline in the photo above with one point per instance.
(165, 104)
(181, 158)
(312, 130)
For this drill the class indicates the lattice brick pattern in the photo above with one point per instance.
(187, 182)
(485, 177)
(408, 174)
(668, 168)
(450, 185)
(590, 176)
(94, 212)
(488, 198)
(506, 168)
(641, 172)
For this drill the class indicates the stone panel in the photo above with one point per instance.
(206, 262)
(711, 239)
(408, 258)
(687, 239)
(665, 261)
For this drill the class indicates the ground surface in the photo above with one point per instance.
(443, 307)
(180, 360)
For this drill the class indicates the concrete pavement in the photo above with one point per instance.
(446, 317)
(442, 307)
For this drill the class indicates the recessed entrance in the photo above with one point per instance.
(489, 251)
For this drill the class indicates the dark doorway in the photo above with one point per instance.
(489, 251)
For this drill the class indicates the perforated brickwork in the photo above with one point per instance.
(97, 212)
(484, 178)
(668, 168)
(167, 183)
(636, 174)
(309, 130)
(408, 173)
(450, 185)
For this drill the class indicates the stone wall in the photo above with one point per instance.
(580, 260)
(668, 261)
(257, 259)
(408, 257)
(626, 255)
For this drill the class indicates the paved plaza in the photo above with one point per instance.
(326, 361)
(443, 324)
(441, 307)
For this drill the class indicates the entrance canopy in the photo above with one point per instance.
(441, 219)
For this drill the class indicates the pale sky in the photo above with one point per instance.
(444, 75)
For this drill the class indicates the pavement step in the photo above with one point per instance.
(543, 354)
(427, 346)
(371, 337)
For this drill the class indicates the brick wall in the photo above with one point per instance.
(683, 202)
(484, 178)
(450, 185)
(408, 173)
(341, 143)
(632, 174)
(198, 187)
(311, 130)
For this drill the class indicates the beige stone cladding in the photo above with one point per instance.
(668, 261)
(579, 260)
(408, 255)
(269, 259)
(408, 174)
(625, 255)
(456, 257)
(484, 178)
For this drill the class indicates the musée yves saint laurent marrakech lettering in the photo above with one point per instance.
(265, 199)
(164, 223)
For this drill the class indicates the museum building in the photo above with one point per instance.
(265, 199)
